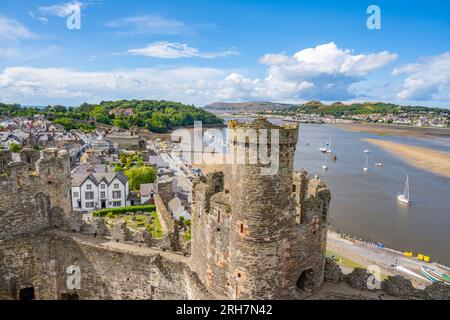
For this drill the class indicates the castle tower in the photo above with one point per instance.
(262, 225)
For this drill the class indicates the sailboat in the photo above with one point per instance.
(378, 164)
(329, 147)
(404, 197)
(325, 166)
(366, 168)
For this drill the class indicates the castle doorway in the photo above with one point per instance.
(306, 280)
(69, 296)
(26, 294)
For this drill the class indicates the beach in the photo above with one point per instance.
(395, 130)
(423, 158)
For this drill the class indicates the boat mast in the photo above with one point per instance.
(407, 187)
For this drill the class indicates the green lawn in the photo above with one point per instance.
(347, 262)
(344, 261)
(137, 222)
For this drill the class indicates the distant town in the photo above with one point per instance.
(316, 112)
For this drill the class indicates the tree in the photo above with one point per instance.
(14, 147)
(138, 175)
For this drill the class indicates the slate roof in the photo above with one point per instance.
(97, 177)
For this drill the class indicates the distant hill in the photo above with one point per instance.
(249, 106)
(336, 108)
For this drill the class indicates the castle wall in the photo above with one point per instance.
(107, 272)
(204, 188)
(33, 200)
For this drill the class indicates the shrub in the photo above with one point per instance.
(113, 211)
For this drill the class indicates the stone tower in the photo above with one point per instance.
(265, 237)
(262, 219)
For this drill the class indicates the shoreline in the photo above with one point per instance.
(394, 130)
(436, 162)
(359, 253)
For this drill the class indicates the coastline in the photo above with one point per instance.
(395, 130)
(427, 159)
(349, 252)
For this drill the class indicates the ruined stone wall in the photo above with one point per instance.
(312, 203)
(204, 188)
(394, 286)
(164, 216)
(217, 242)
(165, 191)
(107, 272)
(32, 200)
(17, 266)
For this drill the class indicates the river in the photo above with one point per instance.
(364, 203)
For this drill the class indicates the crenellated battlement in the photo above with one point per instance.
(261, 131)
(33, 190)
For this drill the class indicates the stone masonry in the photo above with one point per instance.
(264, 238)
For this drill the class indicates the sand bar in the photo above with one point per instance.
(423, 158)
(395, 130)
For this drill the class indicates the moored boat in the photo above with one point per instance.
(435, 275)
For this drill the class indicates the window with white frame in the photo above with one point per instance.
(89, 195)
(117, 203)
(89, 187)
(102, 194)
(76, 194)
(116, 194)
(116, 186)
(89, 204)
(102, 186)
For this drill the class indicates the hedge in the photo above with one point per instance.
(104, 212)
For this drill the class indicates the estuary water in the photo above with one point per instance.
(364, 203)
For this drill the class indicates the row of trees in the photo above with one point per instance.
(156, 116)
(134, 168)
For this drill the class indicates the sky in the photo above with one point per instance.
(199, 52)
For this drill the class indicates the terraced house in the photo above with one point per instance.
(92, 191)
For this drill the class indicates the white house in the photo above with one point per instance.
(99, 190)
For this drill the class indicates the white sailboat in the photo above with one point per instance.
(325, 165)
(329, 147)
(404, 197)
(366, 168)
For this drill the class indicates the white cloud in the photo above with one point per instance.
(172, 50)
(61, 10)
(324, 72)
(148, 24)
(12, 30)
(427, 79)
(59, 85)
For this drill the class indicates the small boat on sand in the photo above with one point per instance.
(435, 275)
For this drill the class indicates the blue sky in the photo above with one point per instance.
(204, 51)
